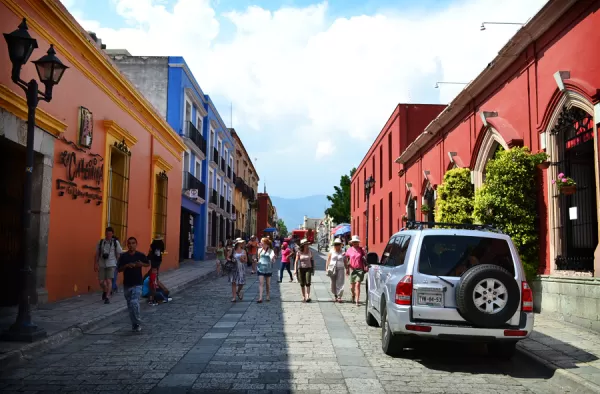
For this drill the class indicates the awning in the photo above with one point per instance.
(270, 230)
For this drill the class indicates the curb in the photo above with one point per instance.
(15, 357)
(563, 377)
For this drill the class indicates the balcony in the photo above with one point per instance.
(228, 207)
(215, 156)
(196, 136)
(239, 184)
(222, 202)
(190, 182)
(213, 197)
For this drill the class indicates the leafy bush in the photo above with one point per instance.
(508, 200)
(455, 197)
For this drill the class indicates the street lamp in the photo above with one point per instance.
(50, 71)
(482, 28)
(369, 184)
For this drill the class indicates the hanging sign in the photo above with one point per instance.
(84, 174)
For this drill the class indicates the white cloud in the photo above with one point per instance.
(320, 80)
(324, 149)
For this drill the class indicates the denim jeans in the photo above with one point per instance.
(133, 295)
(115, 287)
(285, 266)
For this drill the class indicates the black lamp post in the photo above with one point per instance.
(50, 70)
(369, 184)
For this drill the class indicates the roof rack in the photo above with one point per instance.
(414, 225)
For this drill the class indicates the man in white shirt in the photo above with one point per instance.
(108, 251)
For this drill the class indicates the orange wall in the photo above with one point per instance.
(76, 227)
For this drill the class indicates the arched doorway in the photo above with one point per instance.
(491, 144)
(429, 199)
(575, 219)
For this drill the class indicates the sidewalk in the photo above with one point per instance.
(571, 351)
(73, 316)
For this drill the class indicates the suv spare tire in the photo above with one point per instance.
(487, 296)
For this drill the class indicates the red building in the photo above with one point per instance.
(405, 124)
(264, 216)
(541, 91)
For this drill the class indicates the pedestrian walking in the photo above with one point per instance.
(108, 251)
(286, 252)
(304, 268)
(237, 276)
(130, 264)
(266, 259)
(157, 248)
(356, 268)
(252, 249)
(336, 266)
(220, 257)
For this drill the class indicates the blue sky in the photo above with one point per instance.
(312, 82)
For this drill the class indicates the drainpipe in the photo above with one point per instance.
(151, 188)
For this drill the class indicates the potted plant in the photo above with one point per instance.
(541, 159)
(425, 208)
(565, 185)
(404, 218)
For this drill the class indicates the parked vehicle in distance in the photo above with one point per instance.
(305, 234)
(450, 282)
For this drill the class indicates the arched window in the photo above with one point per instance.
(429, 199)
(491, 144)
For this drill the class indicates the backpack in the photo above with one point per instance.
(112, 243)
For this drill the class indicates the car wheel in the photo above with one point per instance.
(487, 296)
(502, 350)
(391, 344)
(370, 319)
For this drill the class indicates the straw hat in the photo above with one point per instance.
(304, 242)
(355, 239)
(238, 241)
(337, 241)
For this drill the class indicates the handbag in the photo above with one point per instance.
(230, 265)
(332, 269)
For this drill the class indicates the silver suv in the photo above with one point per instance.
(451, 282)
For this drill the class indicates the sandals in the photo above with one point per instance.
(240, 295)
(259, 302)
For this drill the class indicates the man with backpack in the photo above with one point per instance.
(108, 251)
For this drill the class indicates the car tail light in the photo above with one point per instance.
(414, 327)
(404, 290)
(515, 333)
(526, 298)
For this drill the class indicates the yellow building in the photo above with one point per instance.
(246, 188)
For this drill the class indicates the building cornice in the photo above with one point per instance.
(114, 129)
(161, 163)
(191, 77)
(100, 70)
(17, 105)
(192, 95)
(528, 34)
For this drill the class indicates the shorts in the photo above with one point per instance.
(106, 273)
(304, 276)
(266, 275)
(357, 276)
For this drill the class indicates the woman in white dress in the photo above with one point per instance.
(336, 268)
(237, 277)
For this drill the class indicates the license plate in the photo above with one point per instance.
(430, 299)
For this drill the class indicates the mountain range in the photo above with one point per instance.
(292, 210)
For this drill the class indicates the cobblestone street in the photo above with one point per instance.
(201, 342)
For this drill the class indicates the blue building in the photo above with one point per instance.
(208, 166)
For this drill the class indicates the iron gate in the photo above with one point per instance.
(579, 235)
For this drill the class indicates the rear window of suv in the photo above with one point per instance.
(452, 255)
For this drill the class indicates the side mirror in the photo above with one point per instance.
(372, 258)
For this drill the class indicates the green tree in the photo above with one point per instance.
(283, 231)
(508, 200)
(455, 197)
(340, 200)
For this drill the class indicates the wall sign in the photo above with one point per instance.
(84, 174)
(86, 127)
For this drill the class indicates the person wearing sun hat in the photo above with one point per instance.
(304, 268)
(336, 264)
(237, 277)
(356, 268)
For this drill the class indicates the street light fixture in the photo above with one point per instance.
(50, 71)
(482, 28)
(369, 185)
(437, 84)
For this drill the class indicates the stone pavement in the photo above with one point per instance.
(572, 351)
(203, 343)
(73, 316)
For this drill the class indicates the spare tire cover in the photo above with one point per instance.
(487, 296)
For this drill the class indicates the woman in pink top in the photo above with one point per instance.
(356, 268)
(285, 262)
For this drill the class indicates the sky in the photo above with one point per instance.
(312, 83)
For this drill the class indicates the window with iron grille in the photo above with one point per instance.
(118, 192)
(160, 206)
